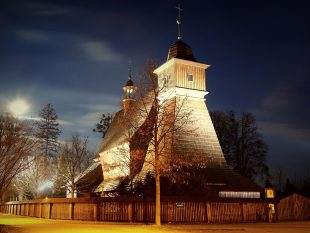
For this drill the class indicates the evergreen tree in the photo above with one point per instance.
(48, 131)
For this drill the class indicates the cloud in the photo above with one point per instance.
(32, 36)
(70, 48)
(112, 107)
(47, 8)
(94, 112)
(54, 10)
(71, 43)
(277, 99)
(288, 130)
(29, 118)
(283, 110)
(99, 51)
(78, 111)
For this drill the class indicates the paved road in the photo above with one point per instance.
(18, 224)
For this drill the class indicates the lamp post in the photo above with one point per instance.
(270, 194)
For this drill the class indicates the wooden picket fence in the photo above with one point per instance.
(294, 207)
(174, 210)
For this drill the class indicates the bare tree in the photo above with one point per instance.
(104, 123)
(149, 126)
(242, 144)
(33, 181)
(74, 158)
(16, 147)
(161, 117)
(37, 180)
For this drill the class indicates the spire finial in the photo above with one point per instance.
(178, 7)
(129, 70)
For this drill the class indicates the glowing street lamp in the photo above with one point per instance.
(269, 190)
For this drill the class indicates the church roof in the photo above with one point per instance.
(89, 180)
(202, 142)
(129, 83)
(181, 50)
(231, 180)
(123, 127)
(220, 178)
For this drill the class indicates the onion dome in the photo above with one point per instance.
(129, 83)
(181, 50)
(129, 89)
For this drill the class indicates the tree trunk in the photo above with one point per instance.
(157, 168)
(72, 189)
(157, 205)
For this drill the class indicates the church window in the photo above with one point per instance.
(190, 77)
(166, 81)
(239, 194)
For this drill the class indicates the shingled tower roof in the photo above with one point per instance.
(181, 50)
(129, 83)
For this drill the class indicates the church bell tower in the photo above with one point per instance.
(182, 77)
(182, 73)
(129, 91)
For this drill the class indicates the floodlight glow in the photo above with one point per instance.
(19, 107)
(45, 185)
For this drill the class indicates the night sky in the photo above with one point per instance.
(75, 54)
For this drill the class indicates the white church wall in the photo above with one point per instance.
(115, 163)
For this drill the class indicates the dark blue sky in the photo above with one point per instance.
(75, 55)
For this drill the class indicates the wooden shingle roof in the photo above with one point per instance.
(180, 50)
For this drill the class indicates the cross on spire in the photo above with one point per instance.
(179, 9)
(129, 70)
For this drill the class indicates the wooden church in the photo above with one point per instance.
(126, 149)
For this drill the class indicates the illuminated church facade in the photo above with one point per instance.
(182, 78)
(126, 148)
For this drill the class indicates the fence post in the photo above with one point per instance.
(41, 208)
(242, 212)
(276, 211)
(130, 212)
(27, 209)
(209, 214)
(170, 212)
(71, 211)
(49, 214)
(133, 210)
(97, 211)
